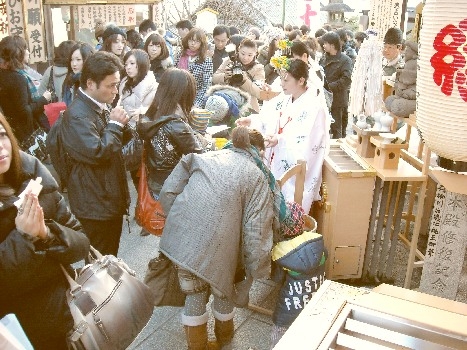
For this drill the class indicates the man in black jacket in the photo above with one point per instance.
(338, 71)
(92, 137)
(221, 35)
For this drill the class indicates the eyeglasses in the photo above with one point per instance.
(194, 41)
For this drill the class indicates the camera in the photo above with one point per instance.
(236, 66)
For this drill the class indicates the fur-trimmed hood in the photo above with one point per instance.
(241, 97)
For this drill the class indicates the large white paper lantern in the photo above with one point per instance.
(442, 81)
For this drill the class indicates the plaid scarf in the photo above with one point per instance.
(32, 88)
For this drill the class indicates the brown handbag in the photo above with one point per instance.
(162, 279)
(148, 212)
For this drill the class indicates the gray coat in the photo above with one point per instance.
(219, 218)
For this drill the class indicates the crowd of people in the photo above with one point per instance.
(269, 86)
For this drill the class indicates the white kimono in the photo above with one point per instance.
(302, 129)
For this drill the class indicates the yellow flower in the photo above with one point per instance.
(280, 62)
(282, 44)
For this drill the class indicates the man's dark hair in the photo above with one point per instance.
(236, 39)
(134, 39)
(184, 24)
(62, 53)
(299, 48)
(342, 34)
(349, 33)
(146, 25)
(360, 36)
(320, 32)
(233, 30)
(218, 30)
(295, 34)
(305, 29)
(98, 66)
(332, 38)
(327, 27)
(288, 27)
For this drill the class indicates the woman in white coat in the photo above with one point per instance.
(137, 90)
(295, 126)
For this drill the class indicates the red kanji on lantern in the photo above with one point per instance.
(449, 60)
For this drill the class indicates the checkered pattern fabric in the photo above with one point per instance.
(295, 222)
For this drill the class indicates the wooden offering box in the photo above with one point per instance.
(344, 213)
(387, 154)
(365, 148)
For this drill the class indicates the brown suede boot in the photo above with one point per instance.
(224, 331)
(196, 337)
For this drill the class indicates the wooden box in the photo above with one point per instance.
(365, 148)
(387, 154)
(344, 212)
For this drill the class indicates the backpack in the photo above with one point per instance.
(58, 155)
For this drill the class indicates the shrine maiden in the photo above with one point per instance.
(296, 127)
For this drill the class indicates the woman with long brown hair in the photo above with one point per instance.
(193, 58)
(165, 129)
(35, 239)
(20, 102)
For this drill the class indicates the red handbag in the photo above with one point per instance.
(52, 111)
(148, 212)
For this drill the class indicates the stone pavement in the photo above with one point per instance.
(164, 331)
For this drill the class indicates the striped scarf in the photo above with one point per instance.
(281, 210)
(32, 88)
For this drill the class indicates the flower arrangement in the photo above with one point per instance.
(284, 45)
(280, 63)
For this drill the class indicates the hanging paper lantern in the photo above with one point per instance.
(442, 81)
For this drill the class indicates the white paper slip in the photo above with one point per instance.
(34, 186)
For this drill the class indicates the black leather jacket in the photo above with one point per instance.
(167, 139)
(97, 185)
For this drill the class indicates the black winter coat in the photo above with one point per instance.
(338, 71)
(167, 139)
(97, 185)
(17, 104)
(32, 283)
